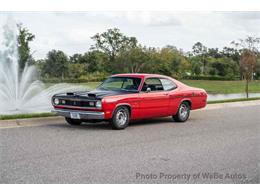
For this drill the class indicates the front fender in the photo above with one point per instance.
(110, 105)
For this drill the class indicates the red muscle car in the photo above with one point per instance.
(125, 97)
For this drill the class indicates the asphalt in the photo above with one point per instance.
(215, 146)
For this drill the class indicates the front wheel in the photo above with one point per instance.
(183, 112)
(120, 119)
(73, 121)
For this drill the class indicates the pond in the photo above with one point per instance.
(213, 97)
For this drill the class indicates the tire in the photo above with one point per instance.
(121, 118)
(183, 112)
(73, 121)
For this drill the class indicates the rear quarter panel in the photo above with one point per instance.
(197, 97)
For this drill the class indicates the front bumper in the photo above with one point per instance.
(83, 114)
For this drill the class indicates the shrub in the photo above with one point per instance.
(217, 78)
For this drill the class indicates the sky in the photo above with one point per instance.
(71, 31)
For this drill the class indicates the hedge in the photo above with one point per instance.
(215, 78)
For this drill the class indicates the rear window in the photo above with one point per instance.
(168, 84)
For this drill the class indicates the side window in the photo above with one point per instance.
(127, 82)
(153, 83)
(168, 84)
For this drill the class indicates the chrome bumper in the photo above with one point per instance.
(83, 114)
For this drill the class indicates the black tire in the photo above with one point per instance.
(73, 121)
(121, 118)
(183, 112)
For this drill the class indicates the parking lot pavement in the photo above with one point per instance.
(214, 146)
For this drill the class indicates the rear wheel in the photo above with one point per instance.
(121, 117)
(73, 121)
(183, 112)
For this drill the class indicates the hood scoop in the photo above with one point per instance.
(70, 93)
(92, 95)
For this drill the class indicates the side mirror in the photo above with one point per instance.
(148, 90)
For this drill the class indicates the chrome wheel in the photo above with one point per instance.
(184, 110)
(121, 117)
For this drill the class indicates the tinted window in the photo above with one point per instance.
(168, 84)
(153, 83)
(121, 83)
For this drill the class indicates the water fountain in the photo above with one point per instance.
(21, 91)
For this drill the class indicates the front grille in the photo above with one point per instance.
(76, 103)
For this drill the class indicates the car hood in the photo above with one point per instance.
(95, 94)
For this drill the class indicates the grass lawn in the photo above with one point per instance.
(224, 86)
(211, 86)
(26, 115)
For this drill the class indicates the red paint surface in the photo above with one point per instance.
(152, 104)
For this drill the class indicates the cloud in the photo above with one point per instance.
(253, 15)
(71, 31)
(155, 18)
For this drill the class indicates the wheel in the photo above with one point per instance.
(120, 119)
(183, 112)
(73, 121)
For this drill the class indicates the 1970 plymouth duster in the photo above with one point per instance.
(125, 97)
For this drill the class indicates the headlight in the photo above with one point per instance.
(56, 101)
(98, 104)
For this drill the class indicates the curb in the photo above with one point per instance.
(14, 123)
(30, 122)
(233, 104)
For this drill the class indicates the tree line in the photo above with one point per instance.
(113, 52)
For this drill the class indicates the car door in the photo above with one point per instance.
(154, 101)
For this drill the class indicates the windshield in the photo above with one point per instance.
(121, 83)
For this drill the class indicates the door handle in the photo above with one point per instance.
(165, 94)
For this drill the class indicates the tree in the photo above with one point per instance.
(250, 43)
(257, 71)
(248, 63)
(112, 42)
(56, 64)
(248, 57)
(24, 38)
(214, 53)
(168, 60)
(195, 66)
(93, 60)
(75, 71)
(234, 54)
(224, 67)
(132, 60)
(201, 51)
(75, 58)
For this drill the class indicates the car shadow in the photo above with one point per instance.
(151, 121)
(83, 126)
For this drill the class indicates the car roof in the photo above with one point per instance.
(146, 75)
(138, 75)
